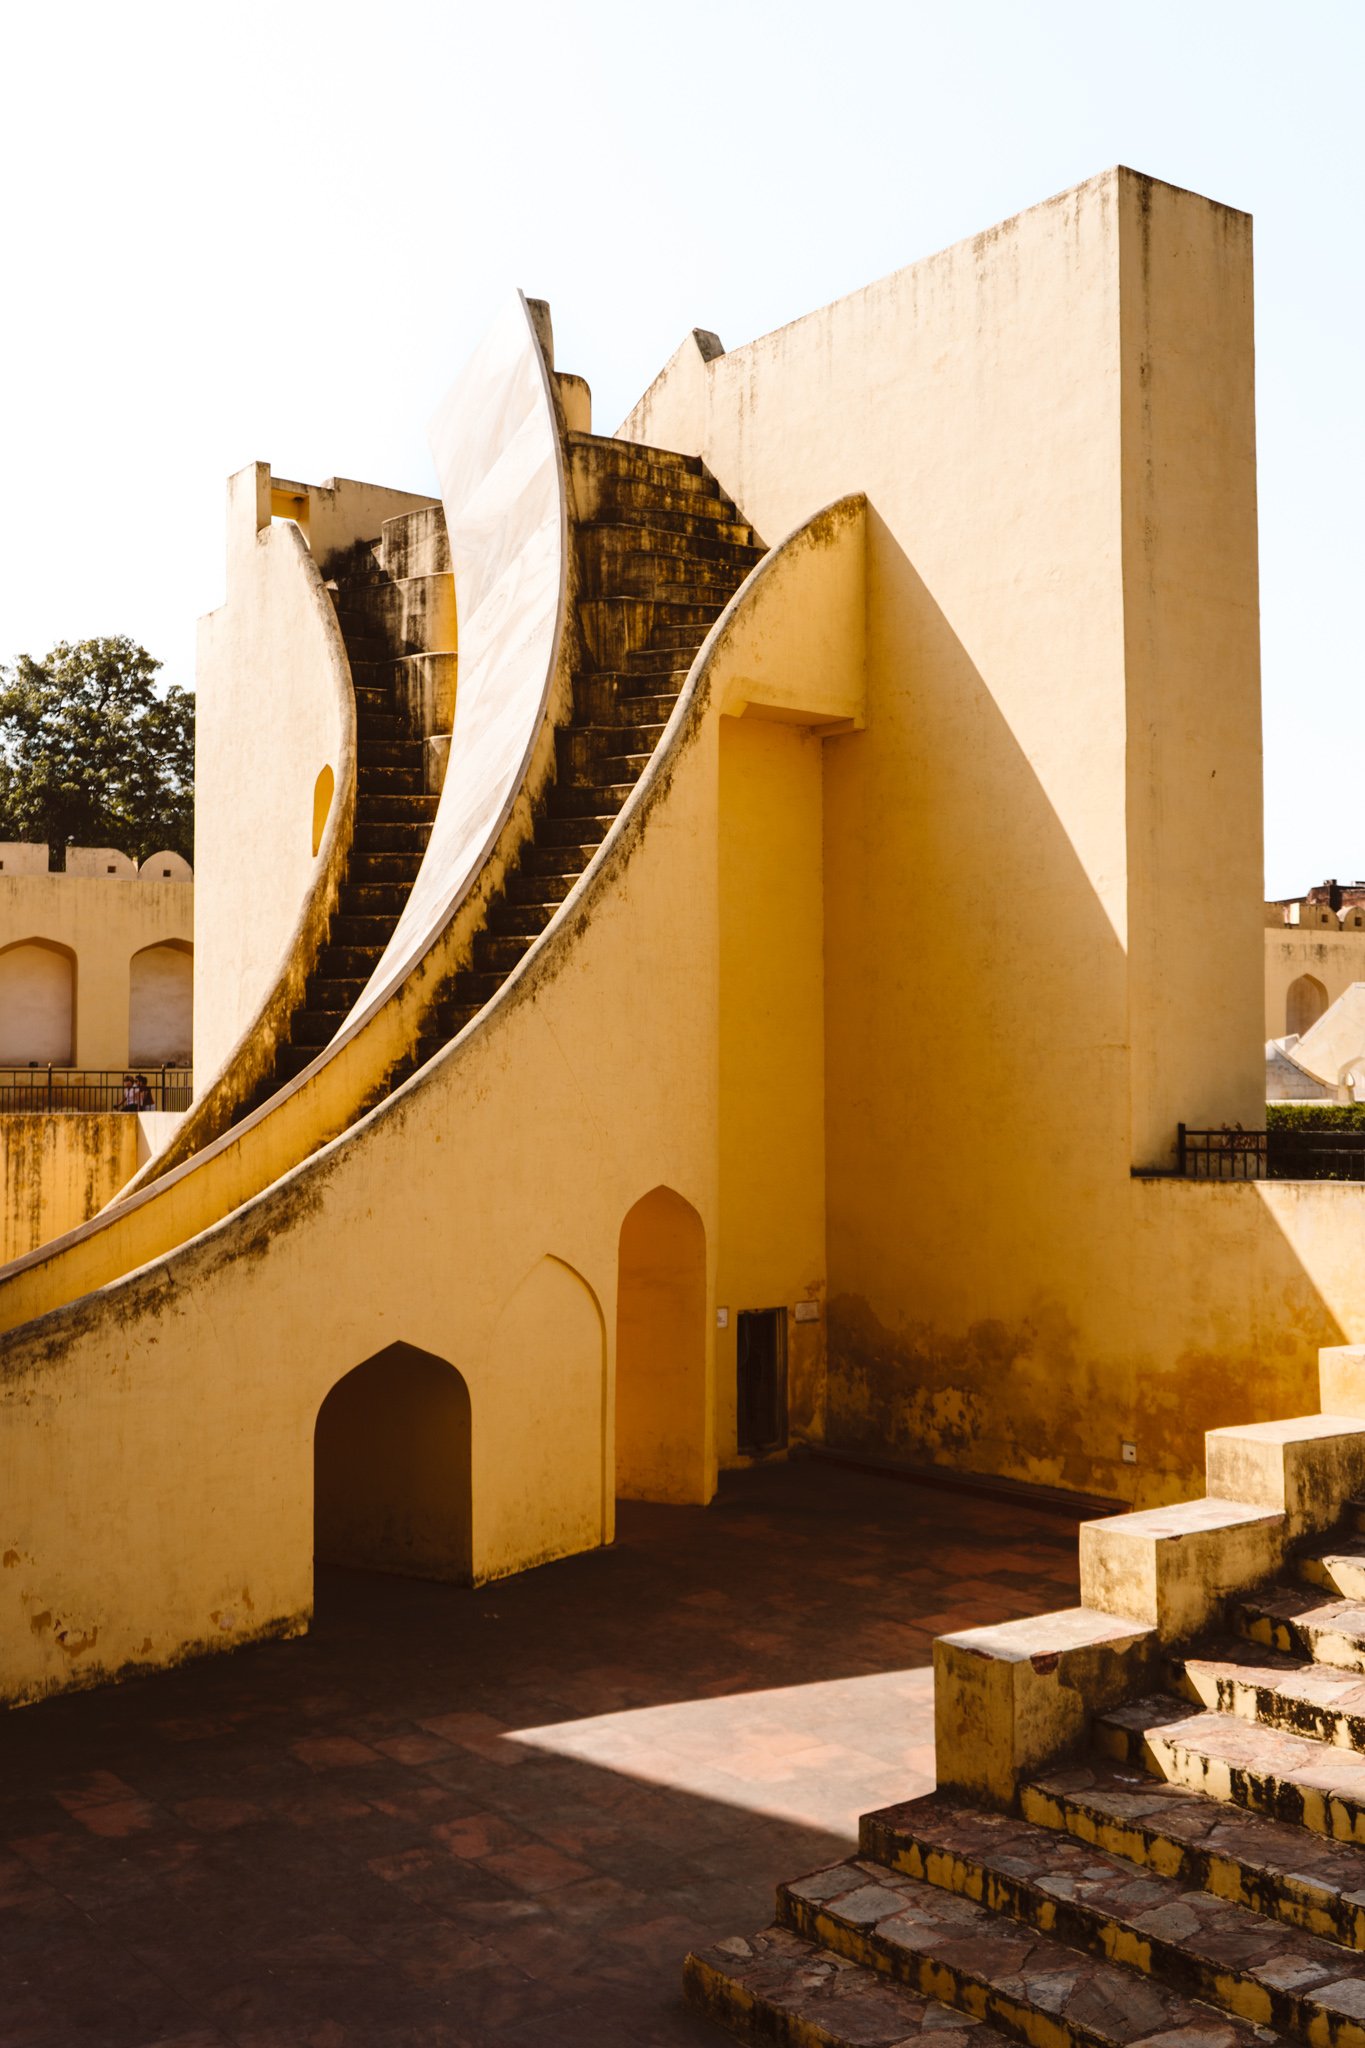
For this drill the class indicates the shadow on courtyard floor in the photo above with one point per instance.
(472, 1818)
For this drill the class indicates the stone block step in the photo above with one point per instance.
(1030, 1985)
(416, 543)
(627, 699)
(686, 498)
(1309, 1698)
(499, 954)
(373, 899)
(778, 1987)
(383, 867)
(656, 580)
(542, 864)
(1337, 1567)
(384, 779)
(347, 963)
(374, 726)
(1209, 1949)
(513, 918)
(372, 699)
(392, 835)
(368, 934)
(371, 806)
(330, 992)
(617, 627)
(364, 647)
(582, 834)
(408, 617)
(608, 540)
(399, 751)
(602, 799)
(1302, 1623)
(1272, 1866)
(315, 1028)
(689, 518)
(1265, 1770)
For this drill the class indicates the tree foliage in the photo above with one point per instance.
(93, 754)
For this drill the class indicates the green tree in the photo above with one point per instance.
(93, 754)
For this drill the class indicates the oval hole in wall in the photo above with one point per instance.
(322, 804)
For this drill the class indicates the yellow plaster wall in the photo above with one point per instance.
(772, 1127)
(274, 710)
(1335, 958)
(1062, 740)
(102, 921)
(58, 1171)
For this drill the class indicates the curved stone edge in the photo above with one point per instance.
(319, 1106)
(253, 1056)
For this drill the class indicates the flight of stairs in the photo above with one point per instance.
(661, 551)
(394, 601)
(1198, 1877)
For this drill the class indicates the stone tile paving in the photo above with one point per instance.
(450, 1819)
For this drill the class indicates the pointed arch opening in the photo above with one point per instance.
(661, 1351)
(392, 1485)
(1305, 1002)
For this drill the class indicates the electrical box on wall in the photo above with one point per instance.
(807, 1311)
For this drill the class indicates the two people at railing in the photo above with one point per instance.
(137, 1093)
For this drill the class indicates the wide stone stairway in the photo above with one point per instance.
(1193, 1871)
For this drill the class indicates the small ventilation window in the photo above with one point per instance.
(111, 871)
(167, 873)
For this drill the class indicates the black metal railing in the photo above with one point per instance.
(1221, 1155)
(40, 1090)
(1288, 1152)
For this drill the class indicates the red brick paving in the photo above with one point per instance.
(451, 1819)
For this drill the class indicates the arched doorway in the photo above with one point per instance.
(661, 1352)
(37, 1004)
(161, 1005)
(1304, 1004)
(391, 1468)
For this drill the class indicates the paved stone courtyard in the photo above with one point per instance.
(450, 1819)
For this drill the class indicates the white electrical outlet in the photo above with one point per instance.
(1129, 1454)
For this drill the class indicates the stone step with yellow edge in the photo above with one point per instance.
(1301, 1623)
(1272, 1866)
(1338, 1567)
(1207, 1948)
(1322, 1701)
(1265, 1770)
(1033, 1986)
(775, 1986)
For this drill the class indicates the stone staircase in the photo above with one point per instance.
(395, 604)
(660, 552)
(1193, 1871)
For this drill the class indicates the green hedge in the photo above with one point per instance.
(1315, 1116)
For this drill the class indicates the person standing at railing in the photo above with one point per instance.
(145, 1098)
(131, 1094)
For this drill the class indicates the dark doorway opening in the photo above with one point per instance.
(762, 1370)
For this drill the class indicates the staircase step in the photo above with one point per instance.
(376, 727)
(392, 835)
(690, 515)
(1309, 1698)
(575, 830)
(607, 539)
(1032, 1986)
(1265, 1770)
(384, 779)
(331, 994)
(367, 934)
(495, 954)
(1338, 1567)
(374, 899)
(512, 919)
(598, 799)
(1272, 1866)
(347, 963)
(1206, 1948)
(544, 887)
(778, 1987)
(384, 867)
(1301, 1623)
(372, 806)
(315, 1028)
